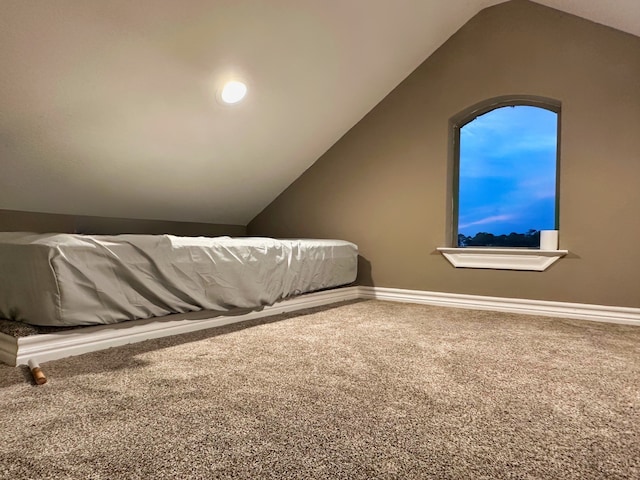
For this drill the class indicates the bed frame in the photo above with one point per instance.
(34, 349)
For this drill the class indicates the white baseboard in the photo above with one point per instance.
(53, 346)
(581, 311)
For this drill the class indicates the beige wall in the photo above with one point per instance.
(17, 221)
(384, 184)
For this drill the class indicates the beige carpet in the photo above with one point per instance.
(363, 390)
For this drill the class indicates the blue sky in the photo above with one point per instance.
(507, 171)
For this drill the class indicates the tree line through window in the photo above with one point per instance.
(530, 239)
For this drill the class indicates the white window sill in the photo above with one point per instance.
(502, 258)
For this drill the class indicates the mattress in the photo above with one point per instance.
(69, 280)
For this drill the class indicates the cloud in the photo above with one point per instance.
(509, 141)
(539, 187)
(487, 220)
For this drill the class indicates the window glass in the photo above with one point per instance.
(507, 189)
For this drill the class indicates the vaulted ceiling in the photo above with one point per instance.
(110, 108)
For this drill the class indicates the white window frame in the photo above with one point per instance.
(487, 257)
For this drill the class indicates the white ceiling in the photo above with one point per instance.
(108, 107)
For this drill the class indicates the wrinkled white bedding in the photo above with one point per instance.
(65, 279)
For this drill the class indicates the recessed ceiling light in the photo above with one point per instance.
(233, 92)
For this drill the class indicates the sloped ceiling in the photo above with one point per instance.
(109, 108)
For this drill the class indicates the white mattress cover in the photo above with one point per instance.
(67, 279)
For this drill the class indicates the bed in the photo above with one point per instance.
(74, 280)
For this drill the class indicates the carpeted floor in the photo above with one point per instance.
(363, 390)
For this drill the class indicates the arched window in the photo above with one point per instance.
(505, 185)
